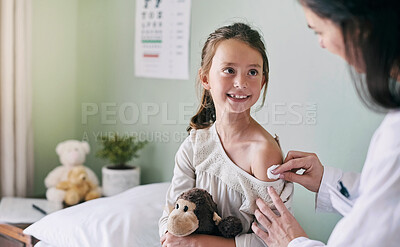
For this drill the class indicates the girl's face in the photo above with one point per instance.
(329, 34)
(235, 78)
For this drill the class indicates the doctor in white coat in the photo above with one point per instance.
(366, 33)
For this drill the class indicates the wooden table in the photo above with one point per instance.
(11, 235)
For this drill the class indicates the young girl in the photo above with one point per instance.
(227, 152)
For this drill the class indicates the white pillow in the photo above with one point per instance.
(127, 219)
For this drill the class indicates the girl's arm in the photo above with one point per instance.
(267, 155)
(184, 179)
(196, 240)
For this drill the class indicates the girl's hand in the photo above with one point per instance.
(280, 229)
(196, 240)
(169, 240)
(296, 160)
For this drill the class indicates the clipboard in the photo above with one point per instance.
(20, 210)
(339, 202)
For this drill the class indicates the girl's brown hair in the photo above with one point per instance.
(205, 115)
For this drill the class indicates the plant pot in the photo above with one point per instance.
(116, 181)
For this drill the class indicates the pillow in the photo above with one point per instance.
(127, 219)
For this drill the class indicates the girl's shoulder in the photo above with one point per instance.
(264, 140)
(266, 152)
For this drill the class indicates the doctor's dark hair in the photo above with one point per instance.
(371, 34)
(205, 115)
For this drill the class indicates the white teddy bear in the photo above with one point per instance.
(72, 153)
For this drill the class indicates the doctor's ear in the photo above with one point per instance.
(204, 80)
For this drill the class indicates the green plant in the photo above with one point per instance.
(120, 149)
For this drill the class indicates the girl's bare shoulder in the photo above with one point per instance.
(266, 152)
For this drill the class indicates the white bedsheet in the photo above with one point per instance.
(124, 220)
(43, 244)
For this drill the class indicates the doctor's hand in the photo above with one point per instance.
(281, 229)
(296, 160)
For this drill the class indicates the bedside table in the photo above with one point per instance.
(14, 210)
(11, 235)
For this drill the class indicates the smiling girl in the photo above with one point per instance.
(227, 152)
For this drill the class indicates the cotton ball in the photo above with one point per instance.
(269, 173)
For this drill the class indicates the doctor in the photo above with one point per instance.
(365, 33)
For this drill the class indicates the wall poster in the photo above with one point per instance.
(162, 39)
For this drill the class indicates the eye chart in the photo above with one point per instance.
(162, 39)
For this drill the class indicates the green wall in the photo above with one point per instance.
(83, 56)
(54, 78)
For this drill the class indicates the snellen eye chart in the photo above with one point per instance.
(162, 39)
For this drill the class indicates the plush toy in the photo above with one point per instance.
(78, 188)
(72, 153)
(196, 212)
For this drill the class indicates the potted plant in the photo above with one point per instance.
(119, 150)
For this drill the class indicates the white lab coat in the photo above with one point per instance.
(374, 219)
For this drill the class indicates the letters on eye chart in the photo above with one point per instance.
(162, 39)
